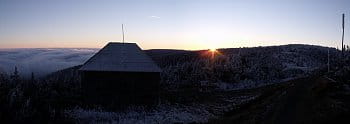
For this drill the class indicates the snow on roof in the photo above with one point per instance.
(124, 57)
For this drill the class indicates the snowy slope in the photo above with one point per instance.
(240, 65)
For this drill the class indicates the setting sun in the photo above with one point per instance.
(213, 50)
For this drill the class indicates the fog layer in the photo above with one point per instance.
(42, 61)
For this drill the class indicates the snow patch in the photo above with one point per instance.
(137, 115)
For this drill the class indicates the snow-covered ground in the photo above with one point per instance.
(248, 84)
(164, 113)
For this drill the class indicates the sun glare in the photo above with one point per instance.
(213, 50)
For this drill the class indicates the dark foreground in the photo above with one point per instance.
(316, 99)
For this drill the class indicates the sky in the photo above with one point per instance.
(172, 24)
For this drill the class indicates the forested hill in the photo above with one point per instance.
(233, 65)
(242, 65)
(317, 54)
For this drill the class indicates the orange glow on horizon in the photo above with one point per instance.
(213, 50)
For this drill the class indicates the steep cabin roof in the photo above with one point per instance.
(120, 57)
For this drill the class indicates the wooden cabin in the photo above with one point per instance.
(120, 74)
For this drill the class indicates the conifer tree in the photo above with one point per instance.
(32, 79)
(15, 76)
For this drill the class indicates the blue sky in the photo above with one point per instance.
(171, 24)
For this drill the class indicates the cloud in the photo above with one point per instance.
(42, 61)
(155, 17)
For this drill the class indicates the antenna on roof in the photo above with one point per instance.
(342, 38)
(122, 49)
(123, 31)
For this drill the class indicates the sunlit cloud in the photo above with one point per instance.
(155, 17)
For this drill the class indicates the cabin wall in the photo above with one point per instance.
(121, 88)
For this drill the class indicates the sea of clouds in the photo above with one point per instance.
(42, 61)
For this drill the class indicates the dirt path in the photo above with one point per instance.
(294, 106)
(285, 103)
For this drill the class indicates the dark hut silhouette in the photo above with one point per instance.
(120, 74)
